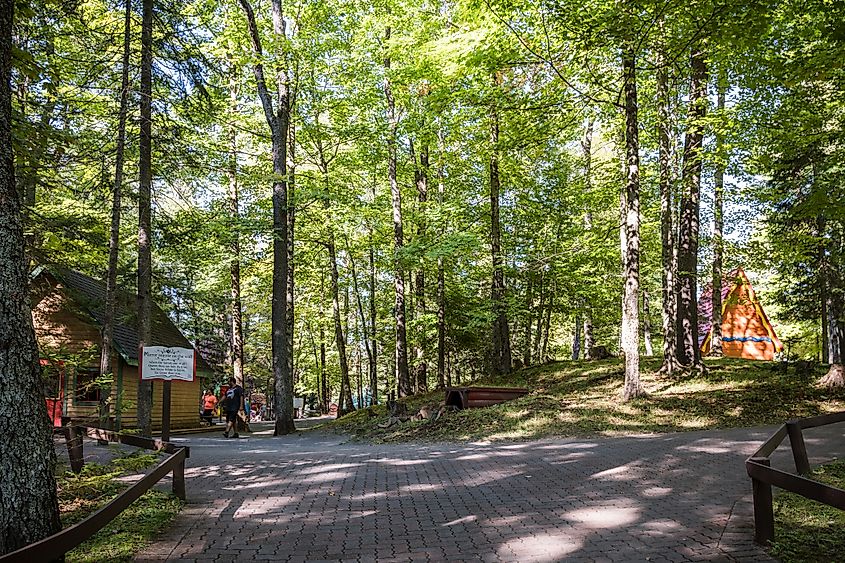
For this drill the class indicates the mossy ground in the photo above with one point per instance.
(584, 399)
(80, 495)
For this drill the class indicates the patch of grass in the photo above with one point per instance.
(97, 484)
(584, 398)
(808, 531)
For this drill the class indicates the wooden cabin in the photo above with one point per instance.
(67, 312)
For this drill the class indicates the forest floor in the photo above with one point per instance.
(581, 398)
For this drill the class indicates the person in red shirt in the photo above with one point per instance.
(209, 401)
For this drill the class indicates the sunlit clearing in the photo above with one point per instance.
(517, 414)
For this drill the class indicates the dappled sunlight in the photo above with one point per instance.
(603, 517)
(542, 547)
(420, 487)
(331, 467)
(272, 504)
(328, 476)
(656, 492)
(464, 520)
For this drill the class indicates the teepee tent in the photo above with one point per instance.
(746, 330)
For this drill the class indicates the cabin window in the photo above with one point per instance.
(87, 389)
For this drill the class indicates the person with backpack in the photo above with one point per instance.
(233, 402)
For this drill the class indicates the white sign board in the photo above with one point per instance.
(169, 364)
(298, 402)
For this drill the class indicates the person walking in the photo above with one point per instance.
(233, 402)
(209, 401)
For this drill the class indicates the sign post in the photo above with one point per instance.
(166, 364)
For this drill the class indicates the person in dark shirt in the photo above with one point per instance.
(232, 404)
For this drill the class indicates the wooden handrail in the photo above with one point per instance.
(763, 476)
(55, 546)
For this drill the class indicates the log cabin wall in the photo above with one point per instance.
(63, 331)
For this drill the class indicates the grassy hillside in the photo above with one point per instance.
(583, 398)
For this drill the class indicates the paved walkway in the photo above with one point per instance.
(310, 497)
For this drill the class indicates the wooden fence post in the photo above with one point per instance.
(799, 449)
(73, 436)
(764, 517)
(179, 479)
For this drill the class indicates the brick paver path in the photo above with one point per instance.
(310, 497)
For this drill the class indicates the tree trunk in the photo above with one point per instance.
(835, 376)
(541, 310)
(544, 350)
(145, 399)
(235, 245)
(718, 223)
(29, 510)
(364, 331)
(529, 321)
(501, 336)
(421, 180)
(689, 353)
(667, 233)
(403, 377)
(114, 233)
(576, 338)
(373, 341)
(278, 122)
(649, 349)
(290, 302)
(345, 402)
(630, 310)
(441, 278)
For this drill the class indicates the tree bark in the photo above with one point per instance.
(235, 244)
(29, 509)
(529, 321)
(835, 376)
(114, 232)
(718, 223)
(576, 338)
(403, 377)
(421, 181)
(345, 404)
(278, 122)
(145, 399)
(441, 276)
(630, 310)
(689, 353)
(373, 318)
(667, 233)
(649, 349)
(501, 346)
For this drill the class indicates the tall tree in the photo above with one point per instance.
(667, 214)
(501, 346)
(145, 262)
(114, 233)
(421, 181)
(630, 301)
(29, 509)
(689, 352)
(718, 222)
(277, 115)
(403, 377)
(235, 241)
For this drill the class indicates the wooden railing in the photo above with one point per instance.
(54, 547)
(763, 476)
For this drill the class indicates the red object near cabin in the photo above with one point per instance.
(54, 391)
